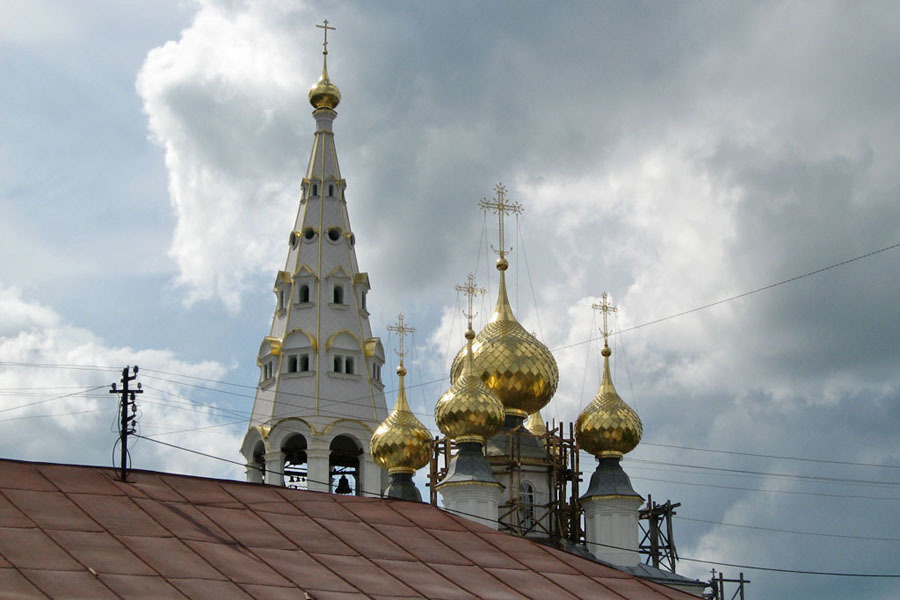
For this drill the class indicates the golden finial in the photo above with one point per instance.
(401, 330)
(501, 208)
(470, 290)
(324, 94)
(401, 444)
(608, 426)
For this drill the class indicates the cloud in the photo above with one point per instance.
(55, 405)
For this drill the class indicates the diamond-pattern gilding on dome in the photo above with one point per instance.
(401, 444)
(607, 424)
(517, 367)
(469, 410)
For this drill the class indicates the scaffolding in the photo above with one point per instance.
(520, 514)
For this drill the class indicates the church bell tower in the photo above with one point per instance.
(319, 396)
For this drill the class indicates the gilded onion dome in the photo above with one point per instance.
(469, 411)
(517, 367)
(324, 94)
(401, 444)
(608, 426)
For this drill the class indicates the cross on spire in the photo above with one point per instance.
(401, 330)
(470, 290)
(605, 307)
(325, 27)
(501, 208)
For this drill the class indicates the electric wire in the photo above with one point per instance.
(360, 491)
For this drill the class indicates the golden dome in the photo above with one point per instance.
(608, 426)
(469, 411)
(518, 368)
(401, 444)
(324, 94)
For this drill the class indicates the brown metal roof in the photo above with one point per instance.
(77, 532)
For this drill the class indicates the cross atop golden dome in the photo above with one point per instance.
(469, 411)
(401, 444)
(517, 367)
(608, 426)
(324, 94)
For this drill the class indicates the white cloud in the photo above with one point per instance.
(55, 405)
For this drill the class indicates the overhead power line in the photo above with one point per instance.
(780, 457)
(689, 559)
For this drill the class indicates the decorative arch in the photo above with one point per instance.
(312, 339)
(330, 342)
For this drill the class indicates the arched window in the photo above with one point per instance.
(526, 506)
(348, 365)
(259, 463)
(338, 294)
(330, 190)
(295, 465)
(344, 465)
(338, 364)
(304, 363)
(292, 364)
(315, 189)
(304, 294)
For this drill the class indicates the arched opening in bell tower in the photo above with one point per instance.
(343, 463)
(295, 462)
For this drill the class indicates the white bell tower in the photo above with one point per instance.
(320, 396)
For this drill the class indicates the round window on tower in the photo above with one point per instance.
(334, 234)
(309, 234)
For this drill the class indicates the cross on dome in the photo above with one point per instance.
(401, 329)
(606, 308)
(325, 27)
(501, 208)
(470, 290)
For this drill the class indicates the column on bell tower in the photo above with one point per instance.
(319, 396)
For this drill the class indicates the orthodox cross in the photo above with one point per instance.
(470, 290)
(605, 307)
(326, 28)
(501, 208)
(401, 330)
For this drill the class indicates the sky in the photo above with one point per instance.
(670, 154)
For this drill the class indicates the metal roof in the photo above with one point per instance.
(77, 532)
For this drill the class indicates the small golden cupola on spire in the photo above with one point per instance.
(324, 94)
(469, 411)
(608, 426)
(517, 367)
(401, 444)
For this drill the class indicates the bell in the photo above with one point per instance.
(343, 486)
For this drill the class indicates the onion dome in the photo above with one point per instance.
(469, 411)
(401, 444)
(517, 367)
(608, 427)
(324, 94)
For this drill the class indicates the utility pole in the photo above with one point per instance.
(128, 409)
